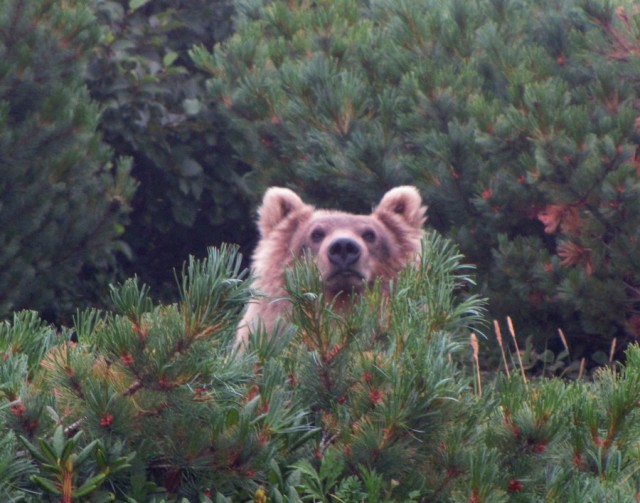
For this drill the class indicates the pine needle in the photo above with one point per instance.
(612, 351)
(476, 357)
(564, 340)
(498, 332)
(515, 341)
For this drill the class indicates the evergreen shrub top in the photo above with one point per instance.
(151, 404)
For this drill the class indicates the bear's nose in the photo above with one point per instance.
(344, 252)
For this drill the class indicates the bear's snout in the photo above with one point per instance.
(344, 252)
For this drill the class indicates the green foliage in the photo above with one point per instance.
(375, 404)
(59, 459)
(152, 386)
(14, 468)
(62, 203)
(517, 120)
(156, 110)
(568, 442)
(26, 335)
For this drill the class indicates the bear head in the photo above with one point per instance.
(351, 251)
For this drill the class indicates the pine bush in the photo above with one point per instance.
(516, 119)
(152, 404)
(62, 204)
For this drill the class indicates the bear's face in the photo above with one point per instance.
(349, 250)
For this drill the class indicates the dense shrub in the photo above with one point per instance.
(156, 110)
(62, 203)
(516, 119)
(151, 405)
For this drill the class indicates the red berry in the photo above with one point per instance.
(127, 359)
(18, 409)
(515, 486)
(376, 396)
(541, 447)
(106, 421)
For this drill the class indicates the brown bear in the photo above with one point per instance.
(349, 250)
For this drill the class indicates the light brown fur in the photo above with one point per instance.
(350, 250)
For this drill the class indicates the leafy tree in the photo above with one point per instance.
(517, 120)
(62, 203)
(156, 110)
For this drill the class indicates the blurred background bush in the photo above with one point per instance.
(63, 200)
(157, 111)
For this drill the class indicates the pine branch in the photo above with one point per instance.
(133, 388)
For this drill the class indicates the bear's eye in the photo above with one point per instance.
(317, 235)
(369, 236)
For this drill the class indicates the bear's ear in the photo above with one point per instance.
(406, 202)
(277, 204)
